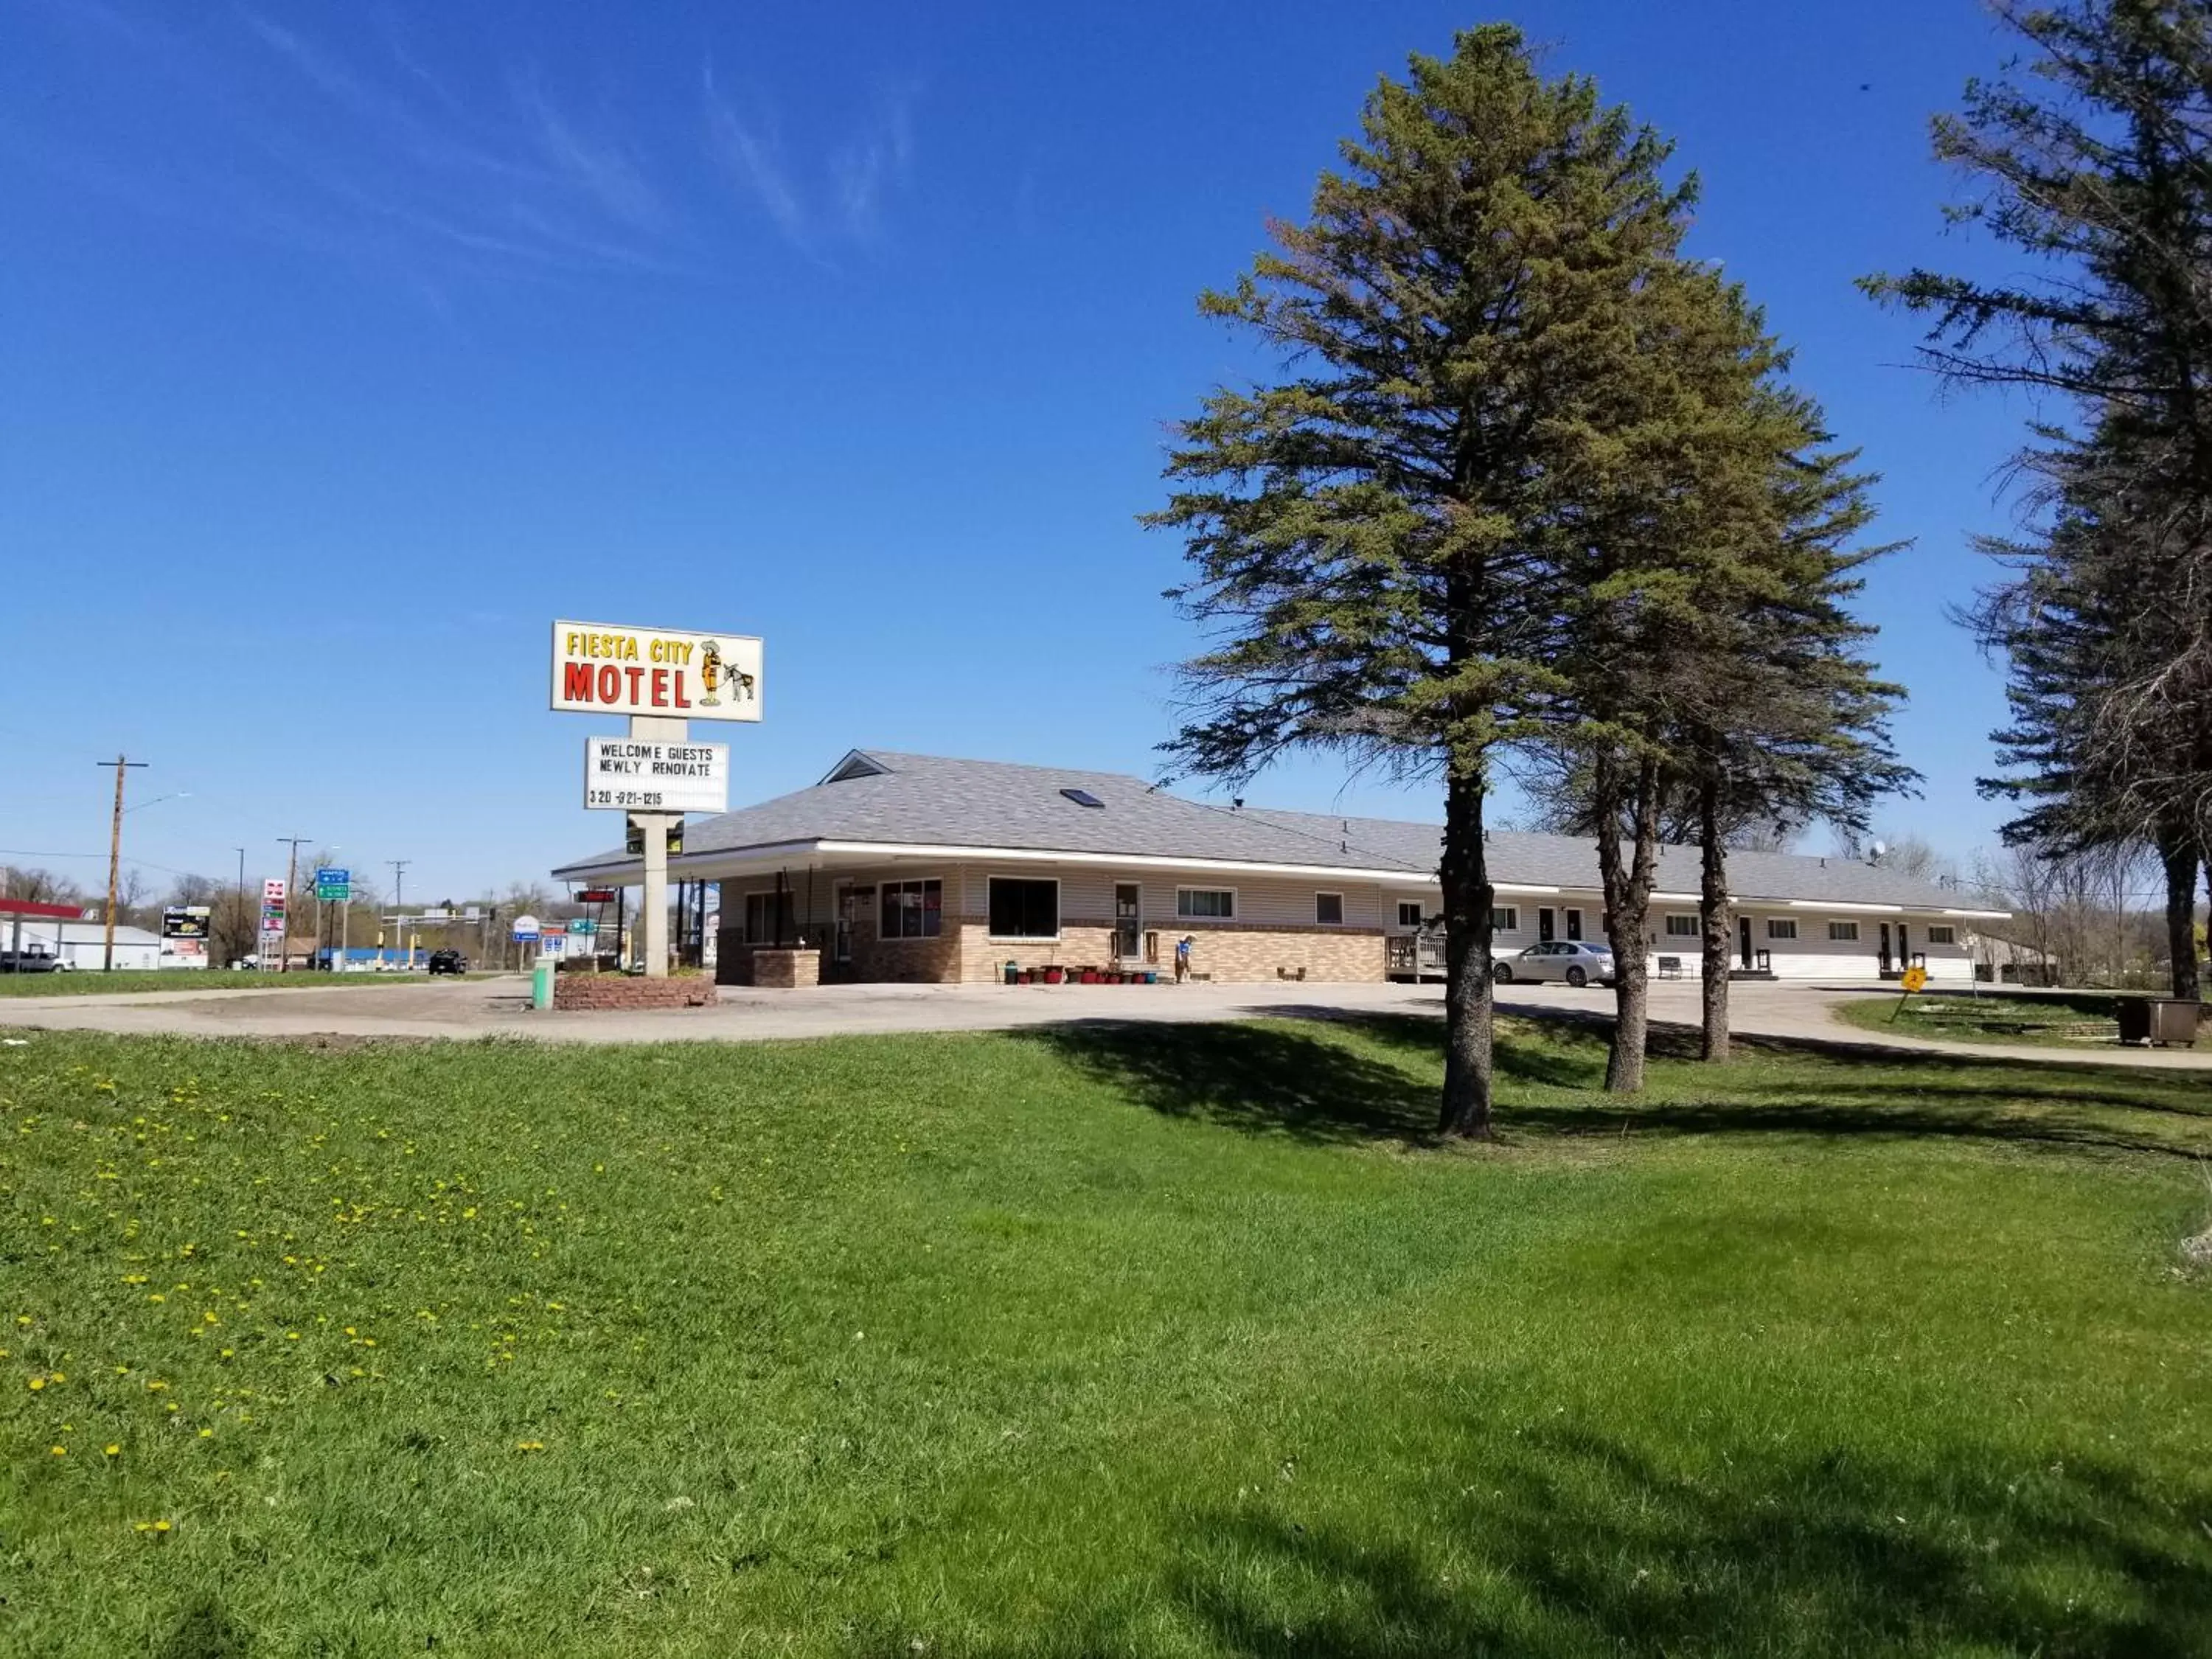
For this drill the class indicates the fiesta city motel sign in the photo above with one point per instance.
(654, 671)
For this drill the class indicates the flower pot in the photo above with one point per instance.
(1054, 975)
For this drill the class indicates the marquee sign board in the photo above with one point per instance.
(629, 776)
(602, 668)
(186, 922)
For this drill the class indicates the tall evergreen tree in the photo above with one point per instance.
(1791, 724)
(1380, 538)
(2102, 168)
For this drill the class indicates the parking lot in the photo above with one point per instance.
(499, 1007)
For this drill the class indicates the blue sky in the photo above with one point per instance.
(342, 346)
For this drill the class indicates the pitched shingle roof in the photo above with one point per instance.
(889, 796)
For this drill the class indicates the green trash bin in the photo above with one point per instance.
(541, 985)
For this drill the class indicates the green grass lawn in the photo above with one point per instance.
(81, 982)
(2052, 1023)
(1176, 1340)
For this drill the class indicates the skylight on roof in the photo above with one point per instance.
(1083, 798)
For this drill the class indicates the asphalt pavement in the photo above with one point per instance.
(499, 1007)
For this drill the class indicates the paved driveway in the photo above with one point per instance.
(499, 1007)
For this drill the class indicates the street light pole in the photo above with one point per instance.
(114, 858)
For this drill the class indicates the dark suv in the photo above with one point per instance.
(448, 962)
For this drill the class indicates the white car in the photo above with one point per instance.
(1577, 962)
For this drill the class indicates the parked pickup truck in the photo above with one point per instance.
(36, 960)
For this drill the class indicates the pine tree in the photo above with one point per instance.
(2101, 170)
(1381, 539)
(1792, 725)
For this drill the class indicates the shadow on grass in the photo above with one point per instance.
(1307, 1084)
(1563, 1541)
(1263, 1078)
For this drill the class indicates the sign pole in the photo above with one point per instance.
(657, 728)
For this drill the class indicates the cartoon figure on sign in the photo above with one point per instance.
(712, 671)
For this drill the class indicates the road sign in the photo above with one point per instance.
(1914, 978)
(333, 885)
(525, 929)
(602, 668)
(628, 775)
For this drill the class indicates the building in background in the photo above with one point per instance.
(899, 866)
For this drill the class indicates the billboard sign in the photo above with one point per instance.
(186, 922)
(630, 776)
(603, 668)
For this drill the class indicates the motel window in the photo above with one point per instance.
(1843, 932)
(1409, 913)
(1024, 908)
(1943, 933)
(1328, 910)
(1505, 919)
(1782, 927)
(1574, 924)
(912, 910)
(1206, 904)
(1681, 927)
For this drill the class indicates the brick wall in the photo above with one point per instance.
(624, 991)
(1248, 955)
(983, 959)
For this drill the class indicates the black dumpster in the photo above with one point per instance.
(2133, 1015)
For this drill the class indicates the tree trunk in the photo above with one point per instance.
(1468, 1000)
(1713, 913)
(2176, 852)
(1628, 915)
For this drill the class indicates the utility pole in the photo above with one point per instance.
(291, 899)
(398, 911)
(114, 858)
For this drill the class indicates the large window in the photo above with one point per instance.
(1941, 932)
(1409, 913)
(912, 910)
(1843, 932)
(767, 918)
(1782, 927)
(1505, 919)
(1206, 904)
(1328, 910)
(1681, 927)
(1024, 908)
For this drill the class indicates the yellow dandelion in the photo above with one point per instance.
(58, 1376)
(113, 1451)
(161, 1526)
(520, 1445)
(37, 1383)
(59, 1451)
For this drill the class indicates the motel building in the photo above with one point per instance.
(919, 868)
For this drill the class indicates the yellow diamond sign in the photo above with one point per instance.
(1914, 978)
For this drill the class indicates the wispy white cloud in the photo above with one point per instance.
(750, 158)
(873, 160)
(604, 169)
(857, 177)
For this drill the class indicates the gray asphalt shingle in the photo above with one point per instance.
(933, 800)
